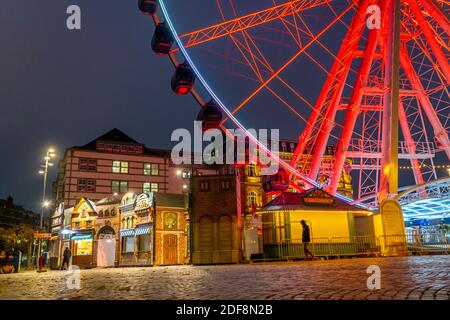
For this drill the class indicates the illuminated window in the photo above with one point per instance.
(252, 170)
(150, 187)
(186, 174)
(128, 244)
(82, 247)
(86, 185)
(119, 186)
(120, 167)
(252, 199)
(151, 169)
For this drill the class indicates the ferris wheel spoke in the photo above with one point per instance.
(431, 39)
(353, 109)
(331, 93)
(437, 14)
(288, 62)
(248, 21)
(440, 132)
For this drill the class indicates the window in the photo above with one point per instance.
(252, 170)
(151, 169)
(204, 185)
(86, 185)
(225, 185)
(145, 243)
(119, 187)
(86, 164)
(128, 244)
(107, 213)
(283, 147)
(150, 187)
(120, 167)
(186, 174)
(100, 214)
(113, 212)
(252, 198)
(292, 147)
(88, 224)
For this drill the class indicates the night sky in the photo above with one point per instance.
(62, 88)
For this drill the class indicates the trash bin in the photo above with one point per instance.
(54, 263)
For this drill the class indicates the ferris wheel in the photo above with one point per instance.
(366, 79)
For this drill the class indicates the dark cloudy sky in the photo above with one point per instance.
(63, 88)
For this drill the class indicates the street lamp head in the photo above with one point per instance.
(46, 204)
(41, 171)
(47, 158)
(51, 150)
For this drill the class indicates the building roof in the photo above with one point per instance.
(107, 201)
(116, 135)
(312, 199)
(170, 200)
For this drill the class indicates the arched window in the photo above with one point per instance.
(129, 223)
(252, 199)
(100, 214)
(124, 223)
(106, 213)
(252, 172)
(113, 212)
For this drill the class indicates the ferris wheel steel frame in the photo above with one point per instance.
(393, 50)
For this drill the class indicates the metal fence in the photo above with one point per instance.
(360, 246)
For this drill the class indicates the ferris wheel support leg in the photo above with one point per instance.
(440, 132)
(350, 45)
(411, 144)
(306, 135)
(431, 39)
(389, 139)
(434, 11)
(353, 109)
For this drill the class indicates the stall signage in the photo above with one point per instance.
(42, 235)
(318, 197)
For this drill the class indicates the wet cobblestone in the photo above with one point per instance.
(420, 277)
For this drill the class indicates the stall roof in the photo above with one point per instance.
(313, 199)
(170, 200)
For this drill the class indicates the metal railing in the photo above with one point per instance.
(360, 246)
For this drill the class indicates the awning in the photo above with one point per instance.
(82, 237)
(127, 233)
(140, 231)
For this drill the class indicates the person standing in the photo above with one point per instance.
(66, 258)
(306, 239)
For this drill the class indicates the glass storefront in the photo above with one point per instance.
(82, 245)
(128, 244)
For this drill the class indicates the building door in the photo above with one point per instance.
(106, 249)
(170, 249)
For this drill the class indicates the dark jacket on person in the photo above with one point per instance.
(67, 254)
(306, 234)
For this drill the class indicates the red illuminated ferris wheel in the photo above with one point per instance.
(368, 78)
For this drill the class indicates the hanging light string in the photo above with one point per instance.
(440, 166)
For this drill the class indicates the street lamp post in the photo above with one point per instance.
(50, 154)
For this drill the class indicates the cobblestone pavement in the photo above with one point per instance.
(420, 277)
